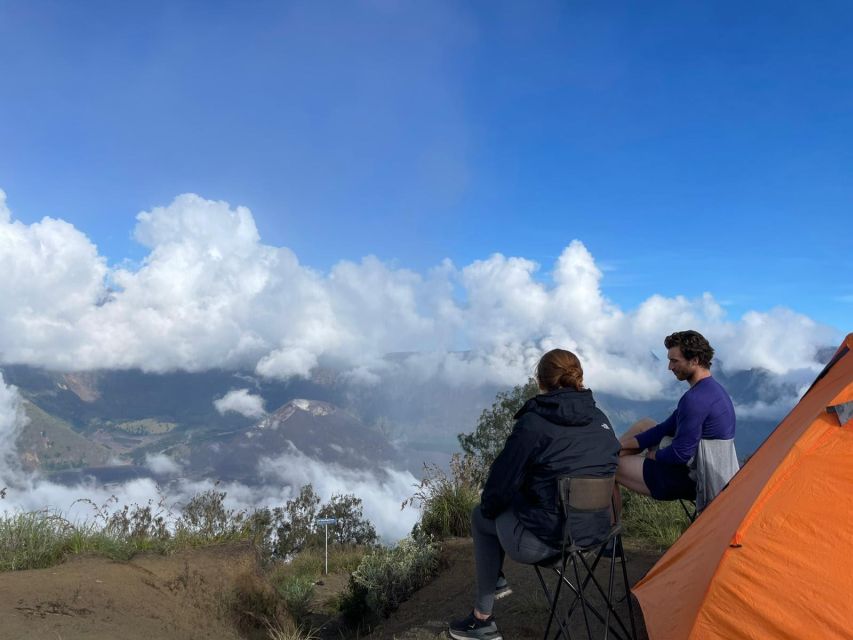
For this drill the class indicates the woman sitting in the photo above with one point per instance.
(559, 432)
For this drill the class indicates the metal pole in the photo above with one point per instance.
(327, 549)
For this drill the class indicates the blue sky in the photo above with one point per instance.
(690, 148)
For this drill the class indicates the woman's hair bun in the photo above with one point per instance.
(559, 369)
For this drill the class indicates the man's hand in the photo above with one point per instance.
(630, 446)
(651, 454)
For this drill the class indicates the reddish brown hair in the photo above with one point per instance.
(559, 369)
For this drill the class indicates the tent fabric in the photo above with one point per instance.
(772, 555)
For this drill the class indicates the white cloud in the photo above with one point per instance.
(382, 492)
(241, 401)
(162, 464)
(210, 294)
(12, 420)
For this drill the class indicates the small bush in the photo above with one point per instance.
(255, 604)
(205, 518)
(446, 500)
(386, 577)
(290, 631)
(297, 593)
(652, 522)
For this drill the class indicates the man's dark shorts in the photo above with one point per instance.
(668, 481)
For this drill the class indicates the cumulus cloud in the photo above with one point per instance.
(210, 293)
(241, 401)
(161, 464)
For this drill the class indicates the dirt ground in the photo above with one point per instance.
(152, 597)
(520, 616)
(188, 596)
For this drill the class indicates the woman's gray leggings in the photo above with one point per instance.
(493, 538)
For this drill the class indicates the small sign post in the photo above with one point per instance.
(326, 522)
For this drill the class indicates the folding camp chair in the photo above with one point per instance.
(689, 511)
(590, 497)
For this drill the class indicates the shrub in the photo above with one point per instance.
(290, 631)
(205, 517)
(386, 577)
(297, 593)
(446, 500)
(494, 426)
(255, 604)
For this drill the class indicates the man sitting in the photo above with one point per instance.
(702, 426)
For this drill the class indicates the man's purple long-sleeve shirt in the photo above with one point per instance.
(704, 411)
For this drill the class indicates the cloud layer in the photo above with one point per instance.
(210, 294)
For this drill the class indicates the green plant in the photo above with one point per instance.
(386, 577)
(255, 603)
(205, 517)
(32, 540)
(297, 593)
(41, 539)
(652, 522)
(294, 524)
(310, 562)
(494, 426)
(446, 500)
(351, 527)
(290, 631)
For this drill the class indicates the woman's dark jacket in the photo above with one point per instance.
(557, 433)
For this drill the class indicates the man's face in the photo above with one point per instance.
(679, 365)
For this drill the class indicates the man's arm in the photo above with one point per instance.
(653, 436)
(691, 416)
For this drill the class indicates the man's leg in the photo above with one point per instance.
(629, 474)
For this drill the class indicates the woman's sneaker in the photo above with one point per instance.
(473, 627)
(502, 588)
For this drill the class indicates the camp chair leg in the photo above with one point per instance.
(627, 591)
(552, 604)
(610, 608)
(690, 516)
(610, 589)
(580, 595)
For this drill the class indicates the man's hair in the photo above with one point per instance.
(559, 369)
(693, 345)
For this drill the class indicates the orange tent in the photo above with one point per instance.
(772, 556)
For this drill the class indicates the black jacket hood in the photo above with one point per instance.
(565, 407)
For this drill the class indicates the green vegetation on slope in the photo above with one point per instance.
(50, 444)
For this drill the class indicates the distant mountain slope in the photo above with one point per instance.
(50, 444)
(129, 415)
(318, 429)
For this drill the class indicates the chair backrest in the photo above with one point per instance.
(713, 466)
(584, 498)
